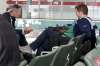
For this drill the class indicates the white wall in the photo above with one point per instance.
(3, 6)
(68, 11)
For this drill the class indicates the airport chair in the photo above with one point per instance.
(77, 48)
(93, 58)
(98, 40)
(90, 59)
(81, 49)
(64, 55)
(23, 63)
(44, 60)
(67, 53)
(79, 64)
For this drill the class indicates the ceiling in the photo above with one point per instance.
(62, 0)
(65, 1)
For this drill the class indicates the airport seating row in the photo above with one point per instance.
(65, 55)
(93, 57)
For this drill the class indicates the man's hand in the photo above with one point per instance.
(28, 30)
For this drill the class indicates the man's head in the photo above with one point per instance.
(81, 10)
(15, 11)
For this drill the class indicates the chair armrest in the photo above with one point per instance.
(55, 47)
(45, 52)
(26, 49)
(23, 63)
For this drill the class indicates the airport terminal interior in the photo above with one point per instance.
(51, 40)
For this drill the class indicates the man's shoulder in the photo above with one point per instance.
(83, 20)
(1, 17)
(3, 20)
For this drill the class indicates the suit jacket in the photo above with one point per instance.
(21, 38)
(9, 51)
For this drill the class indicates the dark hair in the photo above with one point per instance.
(83, 8)
(16, 6)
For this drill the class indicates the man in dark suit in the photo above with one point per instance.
(49, 38)
(9, 51)
(12, 13)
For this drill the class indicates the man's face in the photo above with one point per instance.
(17, 13)
(78, 13)
(62, 30)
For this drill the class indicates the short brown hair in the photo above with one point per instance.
(15, 6)
(83, 8)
